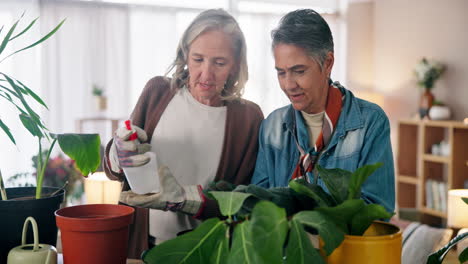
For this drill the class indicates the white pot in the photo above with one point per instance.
(439, 112)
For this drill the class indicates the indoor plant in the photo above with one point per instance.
(84, 149)
(427, 73)
(271, 234)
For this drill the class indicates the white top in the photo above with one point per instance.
(314, 125)
(189, 140)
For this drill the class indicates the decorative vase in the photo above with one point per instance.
(425, 103)
(381, 243)
(22, 204)
(101, 103)
(439, 112)
(95, 233)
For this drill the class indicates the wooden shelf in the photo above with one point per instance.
(435, 158)
(416, 166)
(433, 212)
(408, 179)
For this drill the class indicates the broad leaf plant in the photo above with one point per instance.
(267, 226)
(83, 148)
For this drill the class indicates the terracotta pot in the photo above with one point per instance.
(94, 233)
(21, 204)
(381, 243)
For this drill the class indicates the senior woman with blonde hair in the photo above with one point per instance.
(197, 125)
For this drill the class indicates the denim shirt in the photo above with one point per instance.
(361, 137)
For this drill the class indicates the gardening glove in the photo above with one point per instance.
(173, 196)
(128, 153)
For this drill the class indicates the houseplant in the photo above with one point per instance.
(427, 72)
(84, 149)
(271, 234)
(101, 99)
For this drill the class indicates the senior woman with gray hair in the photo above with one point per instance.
(197, 125)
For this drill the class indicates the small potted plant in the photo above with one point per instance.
(100, 98)
(271, 225)
(39, 202)
(427, 72)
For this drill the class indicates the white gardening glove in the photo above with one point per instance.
(173, 196)
(128, 153)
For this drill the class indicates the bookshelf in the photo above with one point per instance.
(424, 174)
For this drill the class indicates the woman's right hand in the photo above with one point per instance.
(128, 153)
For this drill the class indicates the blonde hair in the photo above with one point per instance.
(213, 19)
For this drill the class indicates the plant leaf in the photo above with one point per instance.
(313, 191)
(465, 199)
(328, 231)
(26, 29)
(220, 256)
(7, 131)
(463, 256)
(242, 249)
(342, 214)
(30, 125)
(83, 149)
(336, 181)
(192, 247)
(269, 228)
(39, 41)
(365, 216)
(359, 177)
(438, 256)
(230, 202)
(6, 39)
(299, 249)
(33, 95)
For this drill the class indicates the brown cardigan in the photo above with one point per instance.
(237, 159)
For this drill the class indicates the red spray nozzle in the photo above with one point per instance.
(134, 135)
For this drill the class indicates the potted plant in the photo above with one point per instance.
(101, 99)
(427, 73)
(269, 233)
(39, 202)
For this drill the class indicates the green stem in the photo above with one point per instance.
(41, 171)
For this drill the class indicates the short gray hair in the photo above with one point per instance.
(307, 29)
(213, 19)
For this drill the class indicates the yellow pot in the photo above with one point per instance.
(381, 243)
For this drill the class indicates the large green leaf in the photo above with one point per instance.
(365, 216)
(193, 247)
(83, 149)
(359, 177)
(242, 249)
(337, 182)
(465, 199)
(269, 228)
(313, 191)
(438, 256)
(229, 202)
(299, 249)
(221, 253)
(342, 214)
(331, 235)
(7, 131)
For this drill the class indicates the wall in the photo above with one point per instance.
(404, 32)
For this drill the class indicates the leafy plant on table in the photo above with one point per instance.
(438, 256)
(267, 233)
(83, 148)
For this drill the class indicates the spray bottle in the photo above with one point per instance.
(142, 179)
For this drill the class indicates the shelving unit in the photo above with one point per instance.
(416, 165)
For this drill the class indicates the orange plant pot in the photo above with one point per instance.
(381, 243)
(94, 233)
